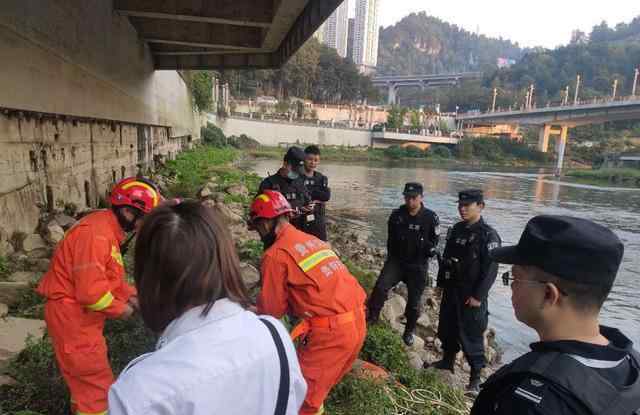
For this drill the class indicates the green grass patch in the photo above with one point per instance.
(29, 304)
(600, 176)
(366, 278)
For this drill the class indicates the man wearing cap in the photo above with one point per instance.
(288, 181)
(466, 274)
(412, 239)
(563, 271)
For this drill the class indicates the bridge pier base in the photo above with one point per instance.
(561, 145)
(391, 99)
(543, 138)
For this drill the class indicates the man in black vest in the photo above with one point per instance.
(413, 237)
(563, 270)
(466, 274)
(288, 181)
(318, 186)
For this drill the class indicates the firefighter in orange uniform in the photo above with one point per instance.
(302, 276)
(85, 285)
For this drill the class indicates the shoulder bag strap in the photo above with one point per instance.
(283, 389)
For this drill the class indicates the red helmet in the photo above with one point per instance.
(268, 205)
(135, 192)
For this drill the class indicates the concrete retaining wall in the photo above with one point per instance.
(276, 133)
(80, 106)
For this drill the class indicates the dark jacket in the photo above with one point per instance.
(413, 239)
(293, 190)
(318, 187)
(466, 264)
(566, 378)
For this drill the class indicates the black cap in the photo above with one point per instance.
(570, 248)
(470, 196)
(412, 189)
(295, 156)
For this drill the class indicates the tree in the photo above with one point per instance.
(395, 117)
(202, 90)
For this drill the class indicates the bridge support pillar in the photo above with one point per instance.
(543, 138)
(561, 145)
(391, 99)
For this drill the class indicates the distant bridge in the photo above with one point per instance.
(393, 82)
(556, 120)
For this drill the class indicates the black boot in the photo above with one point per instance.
(407, 337)
(447, 363)
(373, 316)
(473, 388)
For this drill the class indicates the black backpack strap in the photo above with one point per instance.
(283, 389)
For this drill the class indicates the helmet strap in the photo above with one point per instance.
(127, 225)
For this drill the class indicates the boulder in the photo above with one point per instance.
(415, 360)
(54, 232)
(394, 308)
(204, 193)
(424, 328)
(33, 243)
(7, 380)
(26, 277)
(40, 265)
(418, 344)
(14, 332)
(11, 291)
(238, 190)
(4, 310)
(65, 221)
(250, 275)
(227, 214)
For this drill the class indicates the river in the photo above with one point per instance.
(364, 195)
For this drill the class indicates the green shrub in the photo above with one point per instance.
(440, 151)
(28, 304)
(213, 136)
(413, 151)
(366, 278)
(5, 269)
(394, 152)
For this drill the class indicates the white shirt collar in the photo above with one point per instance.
(193, 319)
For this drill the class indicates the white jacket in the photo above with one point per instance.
(225, 363)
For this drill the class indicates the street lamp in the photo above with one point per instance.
(615, 89)
(635, 82)
(575, 97)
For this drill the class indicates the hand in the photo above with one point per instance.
(472, 302)
(128, 312)
(134, 303)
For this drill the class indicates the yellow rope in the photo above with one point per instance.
(404, 400)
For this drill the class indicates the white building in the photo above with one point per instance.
(334, 31)
(367, 32)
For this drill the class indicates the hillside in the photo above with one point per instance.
(424, 44)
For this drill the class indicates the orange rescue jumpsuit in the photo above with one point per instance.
(301, 275)
(84, 286)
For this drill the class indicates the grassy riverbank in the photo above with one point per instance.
(39, 388)
(626, 177)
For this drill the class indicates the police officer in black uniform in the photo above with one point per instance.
(413, 237)
(318, 186)
(563, 271)
(466, 274)
(288, 181)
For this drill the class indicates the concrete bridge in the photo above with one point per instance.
(393, 82)
(556, 120)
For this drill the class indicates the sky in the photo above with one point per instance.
(546, 23)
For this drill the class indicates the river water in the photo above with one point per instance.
(364, 195)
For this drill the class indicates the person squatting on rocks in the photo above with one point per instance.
(466, 274)
(412, 240)
(303, 277)
(213, 355)
(289, 181)
(318, 186)
(563, 271)
(85, 285)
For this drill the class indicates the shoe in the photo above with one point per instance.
(407, 338)
(473, 388)
(447, 363)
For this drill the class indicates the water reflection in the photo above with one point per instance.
(366, 194)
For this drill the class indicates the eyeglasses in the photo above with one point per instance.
(506, 278)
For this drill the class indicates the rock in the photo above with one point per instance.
(424, 327)
(14, 332)
(238, 190)
(250, 275)
(402, 290)
(394, 308)
(11, 291)
(24, 277)
(418, 344)
(54, 232)
(415, 360)
(40, 253)
(205, 192)
(32, 243)
(228, 215)
(4, 310)
(65, 221)
(40, 265)
(7, 380)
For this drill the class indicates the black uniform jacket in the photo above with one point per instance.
(318, 187)
(413, 239)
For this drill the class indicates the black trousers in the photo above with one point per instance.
(461, 327)
(317, 228)
(394, 271)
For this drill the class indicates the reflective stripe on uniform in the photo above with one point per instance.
(92, 413)
(116, 255)
(314, 259)
(104, 302)
(321, 410)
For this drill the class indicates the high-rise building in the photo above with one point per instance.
(350, 37)
(366, 34)
(333, 31)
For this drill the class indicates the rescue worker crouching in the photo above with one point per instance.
(413, 237)
(85, 285)
(289, 182)
(465, 276)
(303, 277)
(563, 271)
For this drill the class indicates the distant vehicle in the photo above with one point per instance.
(268, 100)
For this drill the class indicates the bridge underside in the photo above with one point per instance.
(196, 34)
